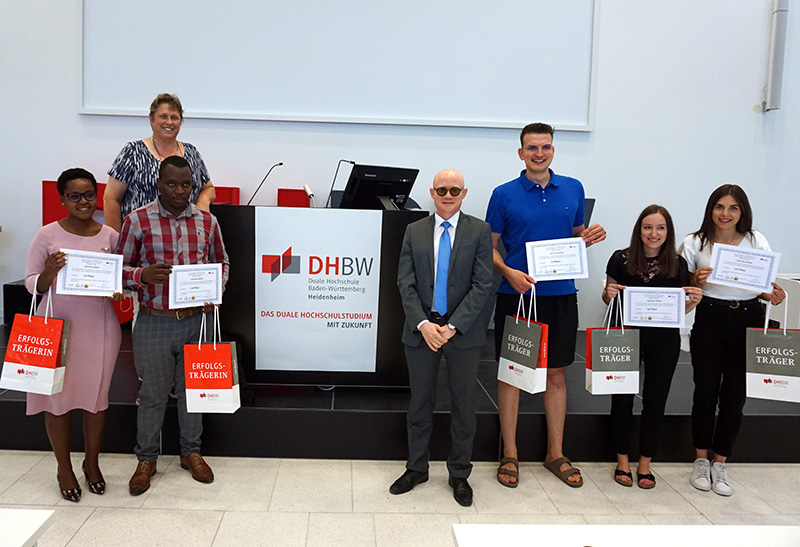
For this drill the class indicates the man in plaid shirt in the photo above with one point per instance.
(169, 231)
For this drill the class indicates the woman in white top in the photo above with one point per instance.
(718, 335)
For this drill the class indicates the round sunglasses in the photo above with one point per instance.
(442, 191)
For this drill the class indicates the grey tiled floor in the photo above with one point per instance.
(333, 502)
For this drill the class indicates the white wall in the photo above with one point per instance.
(677, 82)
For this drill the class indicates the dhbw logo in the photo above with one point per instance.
(275, 265)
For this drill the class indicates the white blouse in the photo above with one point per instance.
(689, 249)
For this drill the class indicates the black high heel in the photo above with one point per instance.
(98, 487)
(73, 494)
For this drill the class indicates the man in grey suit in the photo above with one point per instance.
(445, 278)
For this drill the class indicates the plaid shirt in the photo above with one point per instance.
(151, 235)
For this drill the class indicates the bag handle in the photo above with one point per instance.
(785, 314)
(124, 298)
(33, 300)
(614, 302)
(201, 338)
(216, 330)
(607, 316)
(48, 308)
(531, 306)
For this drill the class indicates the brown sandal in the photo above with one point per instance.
(514, 474)
(564, 475)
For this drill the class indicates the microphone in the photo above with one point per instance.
(330, 193)
(264, 179)
(310, 194)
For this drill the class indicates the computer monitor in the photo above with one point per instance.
(378, 187)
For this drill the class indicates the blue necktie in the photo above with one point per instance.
(442, 264)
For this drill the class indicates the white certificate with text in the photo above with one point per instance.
(88, 273)
(653, 307)
(554, 259)
(195, 284)
(743, 268)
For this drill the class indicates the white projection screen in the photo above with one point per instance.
(417, 62)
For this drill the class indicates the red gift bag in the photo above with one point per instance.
(35, 353)
(211, 373)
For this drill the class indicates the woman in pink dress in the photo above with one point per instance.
(94, 334)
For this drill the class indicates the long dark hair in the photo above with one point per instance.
(744, 226)
(667, 256)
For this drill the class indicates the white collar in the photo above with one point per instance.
(453, 220)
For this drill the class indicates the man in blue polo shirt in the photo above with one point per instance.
(539, 205)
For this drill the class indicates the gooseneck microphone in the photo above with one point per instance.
(310, 194)
(264, 179)
(338, 165)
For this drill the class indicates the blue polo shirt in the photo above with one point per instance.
(522, 211)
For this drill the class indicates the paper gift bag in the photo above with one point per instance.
(36, 349)
(523, 355)
(612, 357)
(211, 373)
(773, 362)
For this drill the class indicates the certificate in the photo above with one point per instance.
(194, 285)
(653, 307)
(554, 259)
(90, 274)
(742, 268)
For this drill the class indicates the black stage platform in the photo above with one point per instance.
(369, 423)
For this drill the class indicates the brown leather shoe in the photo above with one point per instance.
(140, 481)
(195, 463)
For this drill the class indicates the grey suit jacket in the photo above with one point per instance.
(469, 279)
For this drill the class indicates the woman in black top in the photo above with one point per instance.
(649, 261)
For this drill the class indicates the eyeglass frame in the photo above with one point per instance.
(441, 191)
(81, 195)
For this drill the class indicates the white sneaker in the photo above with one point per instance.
(701, 477)
(719, 480)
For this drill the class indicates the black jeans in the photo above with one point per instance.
(660, 349)
(718, 359)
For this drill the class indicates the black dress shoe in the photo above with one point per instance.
(408, 481)
(462, 491)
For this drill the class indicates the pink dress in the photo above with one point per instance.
(94, 335)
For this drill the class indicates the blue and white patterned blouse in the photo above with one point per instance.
(138, 168)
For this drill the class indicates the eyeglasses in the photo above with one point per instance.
(544, 148)
(442, 191)
(75, 197)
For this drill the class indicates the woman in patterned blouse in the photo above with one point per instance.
(132, 177)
